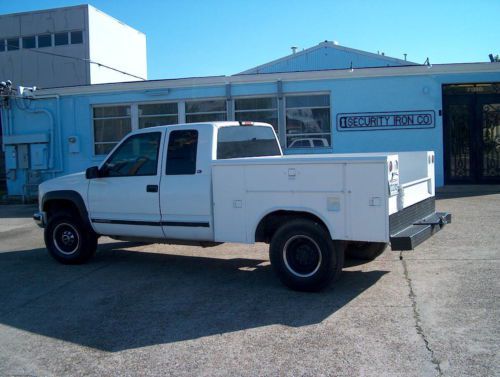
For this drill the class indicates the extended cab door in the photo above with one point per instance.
(124, 200)
(185, 187)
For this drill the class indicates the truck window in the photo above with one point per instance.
(246, 141)
(138, 155)
(181, 153)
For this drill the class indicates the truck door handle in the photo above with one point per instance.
(152, 188)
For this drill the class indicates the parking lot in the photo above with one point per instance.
(178, 310)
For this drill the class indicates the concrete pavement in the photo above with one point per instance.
(175, 310)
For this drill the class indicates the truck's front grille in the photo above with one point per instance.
(408, 216)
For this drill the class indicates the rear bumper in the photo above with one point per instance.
(412, 236)
(411, 226)
(40, 219)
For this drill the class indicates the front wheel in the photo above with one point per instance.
(68, 240)
(304, 256)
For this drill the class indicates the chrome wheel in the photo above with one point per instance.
(66, 238)
(302, 256)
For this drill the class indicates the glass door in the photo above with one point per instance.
(488, 109)
(471, 130)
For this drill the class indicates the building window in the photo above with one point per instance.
(308, 121)
(29, 42)
(44, 40)
(61, 39)
(111, 124)
(158, 114)
(76, 37)
(206, 111)
(257, 110)
(12, 44)
(2, 45)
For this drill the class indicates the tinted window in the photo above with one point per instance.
(44, 40)
(181, 154)
(2, 45)
(29, 42)
(12, 44)
(61, 39)
(76, 37)
(136, 156)
(246, 141)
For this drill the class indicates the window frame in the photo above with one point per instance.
(61, 33)
(209, 99)
(92, 119)
(308, 135)
(167, 144)
(156, 115)
(70, 37)
(122, 142)
(12, 39)
(50, 35)
(276, 109)
(34, 37)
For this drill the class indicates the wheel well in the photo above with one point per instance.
(56, 205)
(272, 221)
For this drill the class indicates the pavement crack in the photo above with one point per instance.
(418, 321)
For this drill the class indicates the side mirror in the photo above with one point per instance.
(92, 172)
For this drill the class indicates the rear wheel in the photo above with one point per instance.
(304, 256)
(68, 240)
(365, 250)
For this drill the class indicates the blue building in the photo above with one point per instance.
(324, 99)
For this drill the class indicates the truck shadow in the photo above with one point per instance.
(127, 299)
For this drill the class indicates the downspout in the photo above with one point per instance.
(55, 127)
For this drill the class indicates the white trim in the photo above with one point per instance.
(417, 70)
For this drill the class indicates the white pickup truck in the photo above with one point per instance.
(209, 183)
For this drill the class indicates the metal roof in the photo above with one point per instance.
(382, 60)
(167, 84)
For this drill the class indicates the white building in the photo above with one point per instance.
(77, 45)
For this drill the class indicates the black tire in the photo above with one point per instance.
(365, 250)
(68, 240)
(304, 256)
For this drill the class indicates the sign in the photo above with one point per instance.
(386, 120)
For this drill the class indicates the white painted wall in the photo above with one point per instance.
(117, 45)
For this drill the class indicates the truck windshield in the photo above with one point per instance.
(246, 141)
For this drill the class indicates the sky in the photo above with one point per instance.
(188, 38)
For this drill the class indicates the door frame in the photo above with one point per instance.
(474, 100)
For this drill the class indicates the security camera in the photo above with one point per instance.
(9, 83)
(3, 84)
